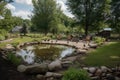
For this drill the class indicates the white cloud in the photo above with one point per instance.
(28, 2)
(11, 7)
(23, 14)
(64, 7)
(68, 14)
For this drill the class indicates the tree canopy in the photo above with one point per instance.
(44, 15)
(89, 12)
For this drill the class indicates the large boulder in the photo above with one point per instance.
(33, 69)
(55, 65)
(21, 68)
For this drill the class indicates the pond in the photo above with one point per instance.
(44, 52)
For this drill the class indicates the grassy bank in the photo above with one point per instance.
(21, 40)
(108, 55)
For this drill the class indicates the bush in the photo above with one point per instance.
(75, 74)
(12, 57)
(99, 40)
(15, 44)
(2, 37)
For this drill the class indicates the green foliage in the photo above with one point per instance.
(2, 37)
(15, 44)
(75, 74)
(3, 33)
(99, 40)
(12, 57)
(90, 12)
(44, 15)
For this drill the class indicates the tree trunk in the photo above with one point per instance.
(86, 19)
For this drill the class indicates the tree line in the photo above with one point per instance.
(89, 16)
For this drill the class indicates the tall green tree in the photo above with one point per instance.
(89, 12)
(44, 15)
(24, 29)
(115, 16)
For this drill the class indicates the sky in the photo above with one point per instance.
(24, 8)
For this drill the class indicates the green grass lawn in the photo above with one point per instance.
(20, 40)
(108, 55)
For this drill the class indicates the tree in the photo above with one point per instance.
(44, 15)
(24, 29)
(86, 11)
(115, 16)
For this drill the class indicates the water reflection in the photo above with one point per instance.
(40, 53)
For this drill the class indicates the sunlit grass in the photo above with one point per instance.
(108, 55)
(20, 40)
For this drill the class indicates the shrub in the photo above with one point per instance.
(12, 57)
(99, 40)
(2, 37)
(15, 44)
(75, 74)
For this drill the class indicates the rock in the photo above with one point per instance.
(55, 65)
(110, 77)
(66, 64)
(92, 69)
(21, 68)
(9, 46)
(103, 74)
(83, 51)
(117, 74)
(51, 78)
(79, 51)
(40, 77)
(95, 78)
(104, 68)
(98, 72)
(117, 78)
(51, 74)
(34, 69)
(93, 45)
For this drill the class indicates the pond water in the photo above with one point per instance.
(43, 52)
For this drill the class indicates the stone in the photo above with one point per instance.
(21, 68)
(9, 46)
(104, 68)
(98, 72)
(103, 74)
(51, 74)
(93, 45)
(95, 78)
(110, 77)
(55, 65)
(117, 74)
(117, 78)
(79, 51)
(40, 77)
(92, 69)
(34, 69)
(66, 64)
